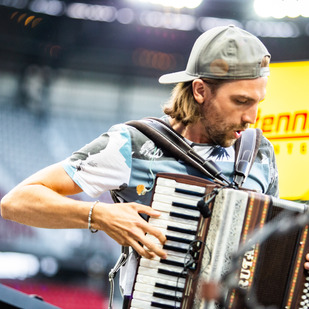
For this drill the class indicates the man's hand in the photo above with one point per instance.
(123, 223)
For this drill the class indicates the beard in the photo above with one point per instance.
(223, 137)
(216, 128)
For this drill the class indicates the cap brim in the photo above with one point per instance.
(177, 77)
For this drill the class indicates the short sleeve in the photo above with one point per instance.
(104, 164)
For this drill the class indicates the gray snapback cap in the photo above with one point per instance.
(226, 52)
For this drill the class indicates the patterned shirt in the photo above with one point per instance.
(123, 158)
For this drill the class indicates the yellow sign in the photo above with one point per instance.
(284, 119)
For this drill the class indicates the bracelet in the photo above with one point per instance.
(89, 217)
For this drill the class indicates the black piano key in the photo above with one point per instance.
(180, 230)
(168, 287)
(175, 249)
(163, 306)
(172, 273)
(185, 206)
(184, 216)
(166, 296)
(188, 192)
(171, 262)
(178, 239)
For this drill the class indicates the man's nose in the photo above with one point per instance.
(249, 116)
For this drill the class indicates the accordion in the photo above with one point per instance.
(217, 247)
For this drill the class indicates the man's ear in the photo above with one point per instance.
(199, 90)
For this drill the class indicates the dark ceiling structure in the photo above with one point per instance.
(59, 41)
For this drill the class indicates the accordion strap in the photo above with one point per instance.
(167, 138)
(246, 149)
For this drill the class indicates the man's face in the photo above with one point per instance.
(231, 110)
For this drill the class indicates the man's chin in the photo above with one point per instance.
(223, 140)
(228, 143)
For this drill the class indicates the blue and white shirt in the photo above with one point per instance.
(123, 158)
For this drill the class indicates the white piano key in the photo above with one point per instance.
(174, 258)
(165, 223)
(166, 207)
(172, 254)
(176, 234)
(177, 244)
(172, 183)
(167, 217)
(168, 198)
(140, 304)
(171, 192)
(157, 264)
(150, 298)
(154, 273)
(153, 281)
(165, 190)
(152, 289)
(168, 242)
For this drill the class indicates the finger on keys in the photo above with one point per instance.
(142, 251)
(139, 235)
(149, 229)
(152, 247)
(147, 210)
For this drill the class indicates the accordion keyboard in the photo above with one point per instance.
(160, 283)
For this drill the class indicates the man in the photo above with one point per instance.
(215, 99)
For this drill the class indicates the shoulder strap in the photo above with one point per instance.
(167, 138)
(246, 149)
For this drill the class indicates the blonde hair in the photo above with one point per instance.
(182, 105)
